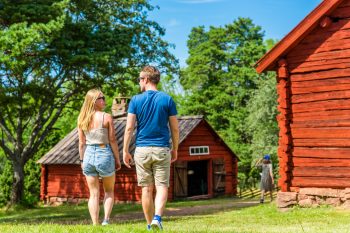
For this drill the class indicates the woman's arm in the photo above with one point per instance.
(112, 140)
(82, 145)
(271, 172)
(259, 162)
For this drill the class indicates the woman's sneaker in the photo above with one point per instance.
(156, 223)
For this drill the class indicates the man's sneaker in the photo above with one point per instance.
(149, 227)
(156, 223)
(105, 222)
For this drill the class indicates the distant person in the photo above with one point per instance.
(267, 181)
(153, 110)
(98, 151)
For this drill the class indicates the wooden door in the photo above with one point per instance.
(219, 176)
(180, 179)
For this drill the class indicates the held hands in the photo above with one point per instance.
(127, 159)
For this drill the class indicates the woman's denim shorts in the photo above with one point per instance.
(98, 161)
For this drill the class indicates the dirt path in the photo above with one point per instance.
(186, 211)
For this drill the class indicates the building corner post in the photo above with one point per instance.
(43, 183)
(284, 119)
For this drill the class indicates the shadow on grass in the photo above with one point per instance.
(64, 214)
(255, 193)
(122, 213)
(44, 214)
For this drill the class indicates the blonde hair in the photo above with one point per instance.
(88, 109)
(152, 73)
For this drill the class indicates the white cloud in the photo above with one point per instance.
(198, 1)
(173, 23)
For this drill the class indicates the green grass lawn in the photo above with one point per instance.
(233, 218)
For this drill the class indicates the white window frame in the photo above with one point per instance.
(199, 150)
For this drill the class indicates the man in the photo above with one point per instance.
(153, 110)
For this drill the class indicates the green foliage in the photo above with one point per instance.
(6, 180)
(54, 51)
(33, 170)
(255, 173)
(220, 80)
(171, 85)
(269, 43)
(220, 76)
(221, 83)
(261, 120)
(31, 182)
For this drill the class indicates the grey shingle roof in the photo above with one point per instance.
(66, 151)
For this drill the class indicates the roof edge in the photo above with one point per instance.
(193, 126)
(191, 117)
(266, 63)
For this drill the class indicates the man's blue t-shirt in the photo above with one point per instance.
(152, 109)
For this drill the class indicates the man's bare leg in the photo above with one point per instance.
(148, 203)
(161, 199)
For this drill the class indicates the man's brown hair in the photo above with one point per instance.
(152, 73)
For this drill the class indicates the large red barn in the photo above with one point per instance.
(313, 68)
(206, 167)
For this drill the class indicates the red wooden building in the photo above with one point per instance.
(313, 68)
(206, 167)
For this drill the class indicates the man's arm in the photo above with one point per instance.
(129, 129)
(174, 128)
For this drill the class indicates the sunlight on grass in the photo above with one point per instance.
(256, 219)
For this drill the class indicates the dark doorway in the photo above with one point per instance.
(197, 173)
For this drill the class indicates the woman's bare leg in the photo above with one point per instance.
(262, 196)
(108, 186)
(93, 204)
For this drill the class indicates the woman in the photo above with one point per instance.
(267, 181)
(98, 151)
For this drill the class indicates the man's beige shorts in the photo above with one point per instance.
(152, 165)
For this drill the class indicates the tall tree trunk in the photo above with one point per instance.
(18, 183)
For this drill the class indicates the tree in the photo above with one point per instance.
(54, 51)
(261, 120)
(220, 79)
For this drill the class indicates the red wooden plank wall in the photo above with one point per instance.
(68, 181)
(320, 103)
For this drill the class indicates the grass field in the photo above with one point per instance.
(216, 215)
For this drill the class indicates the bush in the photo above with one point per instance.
(6, 180)
(32, 174)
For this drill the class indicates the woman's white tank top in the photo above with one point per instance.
(98, 135)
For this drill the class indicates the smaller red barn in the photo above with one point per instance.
(206, 167)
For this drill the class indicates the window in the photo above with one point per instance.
(199, 150)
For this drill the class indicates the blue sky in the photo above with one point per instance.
(178, 17)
